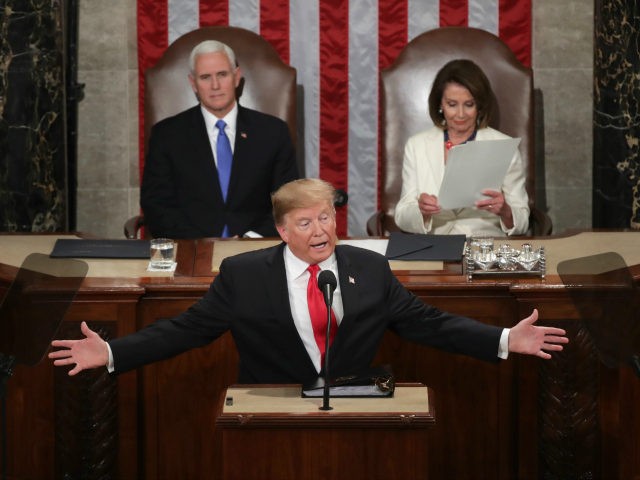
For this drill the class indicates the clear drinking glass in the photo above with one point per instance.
(163, 254)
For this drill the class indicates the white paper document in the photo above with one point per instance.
(473, 167)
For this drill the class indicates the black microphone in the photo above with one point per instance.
(340, 198)
(327, 283)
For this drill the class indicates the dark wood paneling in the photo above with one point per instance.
(84, 426)
(178, 398)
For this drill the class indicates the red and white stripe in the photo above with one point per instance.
(338, 48)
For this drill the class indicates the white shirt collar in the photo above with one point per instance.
(230, 119)
(296, 267)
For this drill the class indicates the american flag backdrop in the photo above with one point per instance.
(338, 48)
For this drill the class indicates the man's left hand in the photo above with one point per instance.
(529, 339)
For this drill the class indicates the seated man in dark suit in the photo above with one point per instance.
(264, 299)
(193, 186)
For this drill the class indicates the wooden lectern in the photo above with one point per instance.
(265, 432)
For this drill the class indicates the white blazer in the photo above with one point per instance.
(422, 172)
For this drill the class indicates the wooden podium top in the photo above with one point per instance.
(283, 405)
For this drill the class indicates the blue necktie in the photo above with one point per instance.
(225, 158)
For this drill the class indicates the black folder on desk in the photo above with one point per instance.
(425, 247)
(84, 248)
(376, 381)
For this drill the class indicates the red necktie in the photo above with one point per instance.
(318, 312)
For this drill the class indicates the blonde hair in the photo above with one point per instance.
(302, 193)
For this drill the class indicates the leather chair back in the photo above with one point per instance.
(405, 87)
(268, 85)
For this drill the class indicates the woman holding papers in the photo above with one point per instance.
(461, 104)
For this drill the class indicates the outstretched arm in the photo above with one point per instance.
(90, 352)
(529, 339)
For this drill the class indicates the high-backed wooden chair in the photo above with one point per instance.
(268, 84)
(404, 91)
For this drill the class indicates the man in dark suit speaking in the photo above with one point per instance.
(262, 297)
(210, 170)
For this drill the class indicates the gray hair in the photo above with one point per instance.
(211, 46)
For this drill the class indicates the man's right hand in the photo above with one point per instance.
(90, 352)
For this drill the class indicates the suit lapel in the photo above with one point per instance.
(202, 152)
(435, 150)
(241, 146)
(277, 286)
(349, 291)
(279, 298)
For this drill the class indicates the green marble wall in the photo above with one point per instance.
(32, 117)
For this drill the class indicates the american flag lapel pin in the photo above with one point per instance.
(352, 280)
(243, 135)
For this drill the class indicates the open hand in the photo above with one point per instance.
(90, 352)
(530, 339)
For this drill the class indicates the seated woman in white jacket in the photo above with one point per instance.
(461, 104)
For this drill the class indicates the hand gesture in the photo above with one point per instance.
(90, 352)
(529, 339)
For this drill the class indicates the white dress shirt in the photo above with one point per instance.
(212, 131)
(297, 280)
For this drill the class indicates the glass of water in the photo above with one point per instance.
(163, 254)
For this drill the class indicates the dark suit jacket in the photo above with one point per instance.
(250, 298)
(180, 193)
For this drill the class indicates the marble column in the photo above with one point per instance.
(616, 131)
(32, 117)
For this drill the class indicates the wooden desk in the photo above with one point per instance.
(271, 432)
(571, 417)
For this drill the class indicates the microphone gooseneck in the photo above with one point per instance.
(327, 283)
